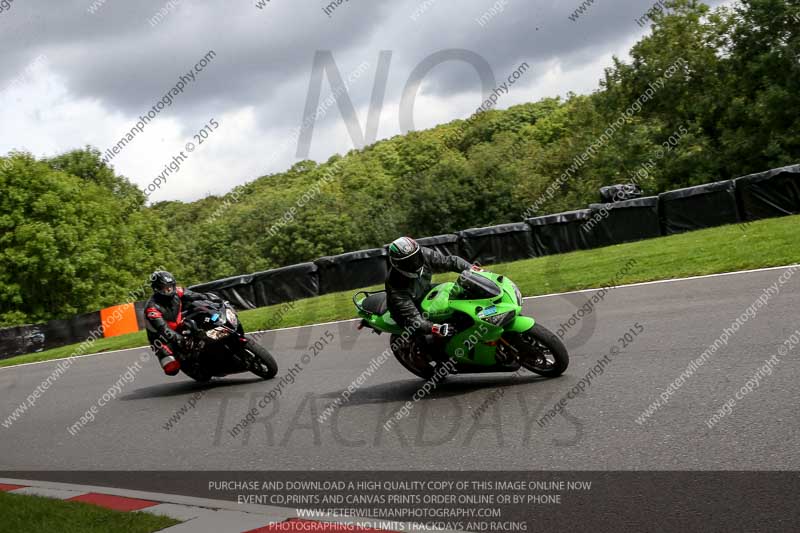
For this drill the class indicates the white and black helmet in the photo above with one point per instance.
(405, 255)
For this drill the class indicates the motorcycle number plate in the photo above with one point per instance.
(489, 311)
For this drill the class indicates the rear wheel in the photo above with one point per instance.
(412, 357)
(540, 351)
(259, 361)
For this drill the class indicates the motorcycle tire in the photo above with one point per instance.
(539, 345)
(411, 356)
(259, 361)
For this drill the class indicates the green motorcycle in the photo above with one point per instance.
(491, 334)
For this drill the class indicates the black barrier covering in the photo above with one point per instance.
(77, 329)
(20, 340)
(703, 206)
(619, 193)
(459, 500)
(286, 284)
(630, 220)
(773, 193)
(139, 307)
(353, 270)
(446, 244)
(563, 232)
(497, 244)
(238, 290)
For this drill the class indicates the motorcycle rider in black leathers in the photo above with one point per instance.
(409, 280)
(163, 316)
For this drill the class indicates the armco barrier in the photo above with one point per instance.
(560, 233)
(773, 193)
(352, 270)
(497, 244)
(625, 221)
(767, 194)
(703, 206)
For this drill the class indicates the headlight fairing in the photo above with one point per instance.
(517, 292)
(217, 333)
(230, 314)
(500, 319)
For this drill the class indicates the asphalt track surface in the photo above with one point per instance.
(597, 432)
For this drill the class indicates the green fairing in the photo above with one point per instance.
(477, 344)
(384, 322)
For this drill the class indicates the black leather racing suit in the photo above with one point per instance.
(404, 294)
(163, 316)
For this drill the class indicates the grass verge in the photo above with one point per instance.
(35, 514)
(760, 244)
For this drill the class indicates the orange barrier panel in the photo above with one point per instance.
(119, 320)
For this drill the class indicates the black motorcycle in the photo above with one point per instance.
(215, 344)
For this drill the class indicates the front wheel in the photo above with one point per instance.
(540, 351)
(259, 361)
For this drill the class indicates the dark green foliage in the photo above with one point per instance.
(70, 243)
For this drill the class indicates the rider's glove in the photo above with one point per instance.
(476, 268)
(442, 330)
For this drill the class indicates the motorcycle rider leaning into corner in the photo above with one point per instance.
(163, 316)
(409, 280)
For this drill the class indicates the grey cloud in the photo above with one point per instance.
(115, 56)
(264, 57)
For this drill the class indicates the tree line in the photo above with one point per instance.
(75, 236)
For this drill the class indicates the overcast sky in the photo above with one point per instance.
(71, 77)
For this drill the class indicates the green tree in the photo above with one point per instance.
(65, 245)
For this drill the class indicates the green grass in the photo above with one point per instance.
(34, 514)
(772, 242)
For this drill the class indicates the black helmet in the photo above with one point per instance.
(163, 283)
(405, 255)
